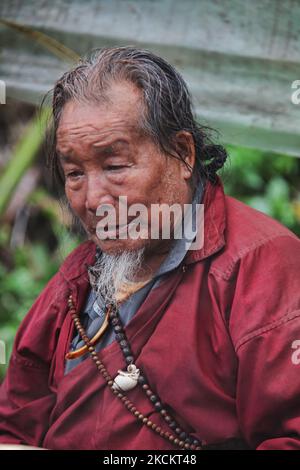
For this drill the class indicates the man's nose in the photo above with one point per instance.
(97, 194)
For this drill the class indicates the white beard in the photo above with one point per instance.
(111, 271)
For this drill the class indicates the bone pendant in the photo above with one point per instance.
(125, 381)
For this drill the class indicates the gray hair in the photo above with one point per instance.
(167, 104)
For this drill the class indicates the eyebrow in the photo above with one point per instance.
(65, 158)
(99, 148)
(103, 147)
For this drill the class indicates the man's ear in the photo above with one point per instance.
(185, 148)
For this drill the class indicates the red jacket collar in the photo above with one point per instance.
(214, 222)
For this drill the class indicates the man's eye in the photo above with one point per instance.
(73, 174)
(115, 167)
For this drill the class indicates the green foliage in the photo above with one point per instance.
(30, 268)
(268, 182)
(22, 158)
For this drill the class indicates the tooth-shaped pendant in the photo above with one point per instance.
(125, 381)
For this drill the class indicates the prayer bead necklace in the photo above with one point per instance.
(180, 439)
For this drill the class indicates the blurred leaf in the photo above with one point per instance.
(277, 189)
(48, 42)
(296, 208)
(259, 203)
(22, 158)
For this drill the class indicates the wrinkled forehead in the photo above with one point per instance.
(117, 116)
(87, 130)
(91, 128)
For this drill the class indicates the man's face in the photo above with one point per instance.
(104, 155)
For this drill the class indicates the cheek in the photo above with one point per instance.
(152, 183)
(161, 187)
(76, 200)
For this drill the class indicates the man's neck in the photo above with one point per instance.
(152, 261)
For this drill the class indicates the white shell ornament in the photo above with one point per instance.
(125, 381)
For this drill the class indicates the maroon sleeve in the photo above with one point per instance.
(269, 386)
(25, 404)
(266, 331)
(26, 399)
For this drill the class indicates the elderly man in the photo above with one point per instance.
(144, 342)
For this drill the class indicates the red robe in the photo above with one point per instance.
(216, 341)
